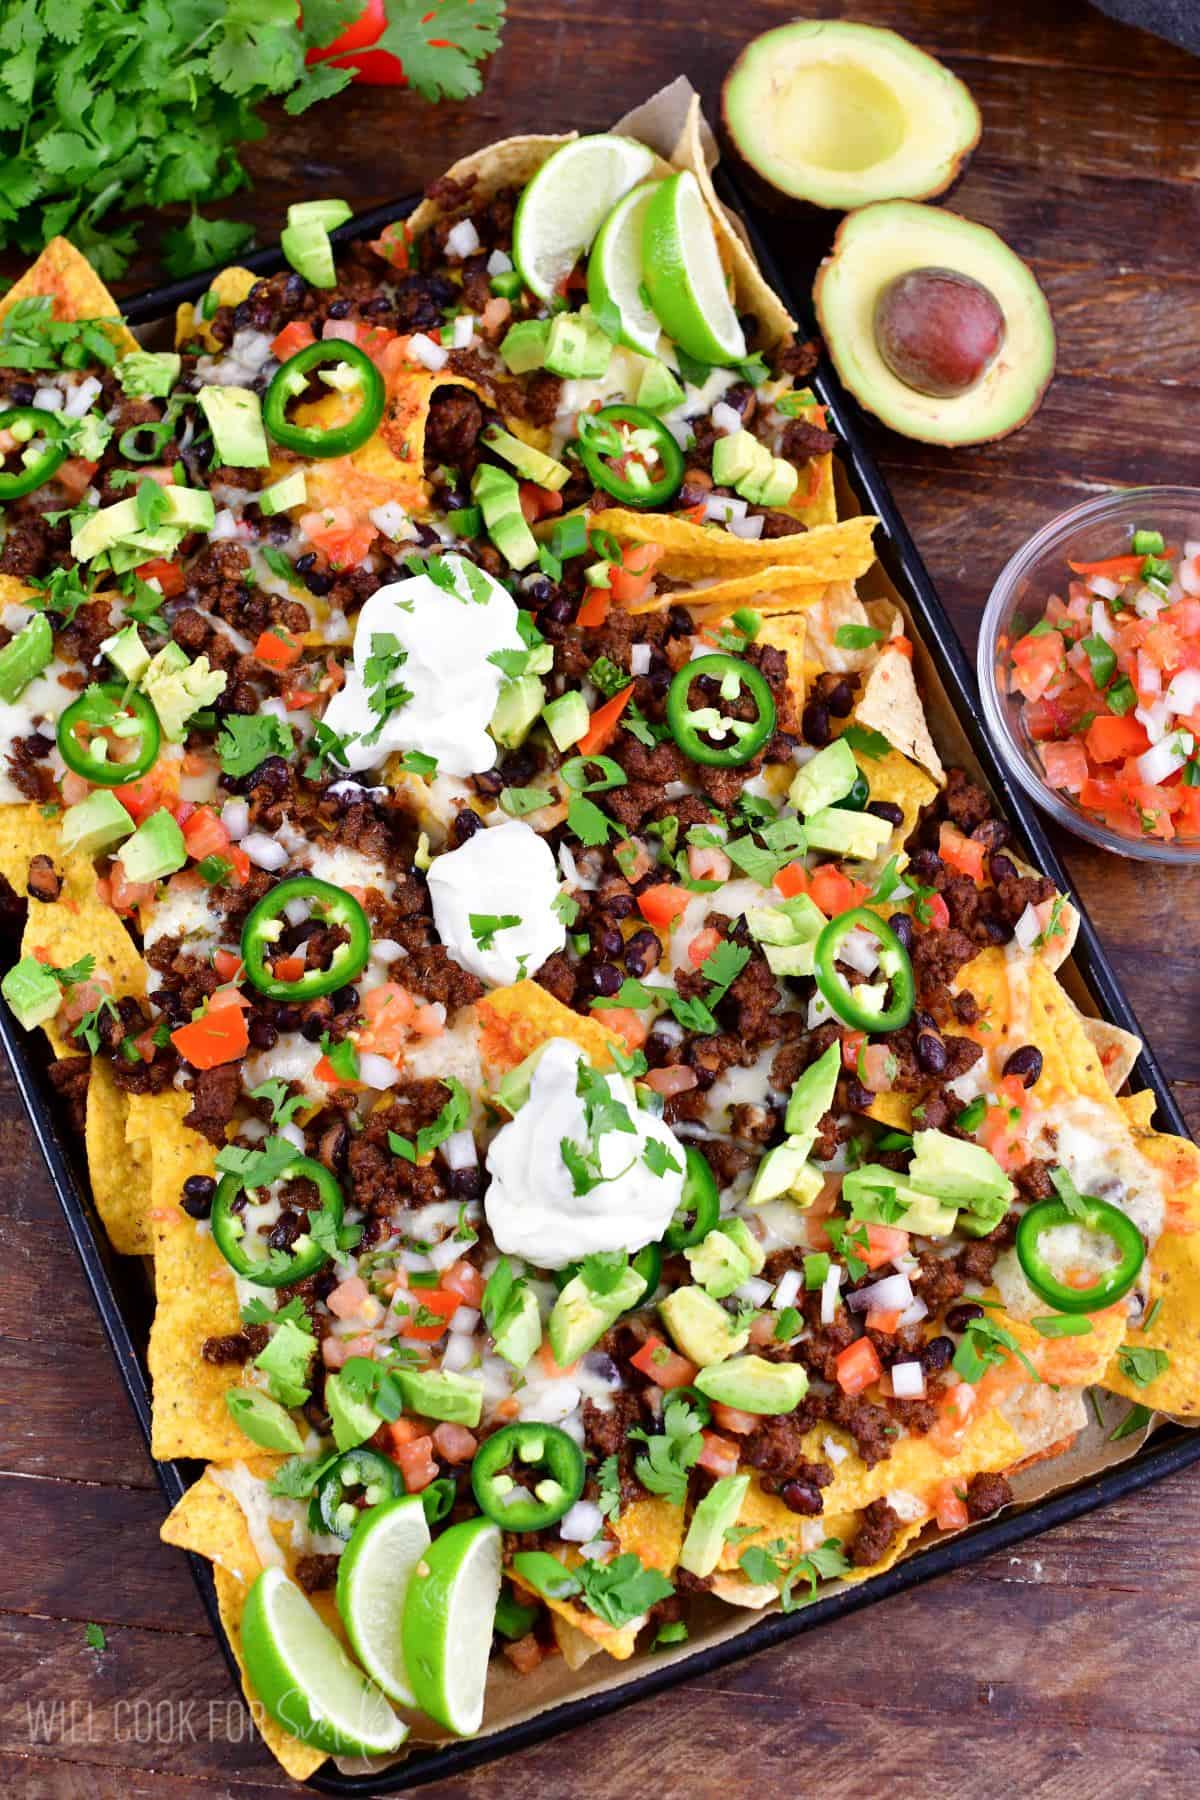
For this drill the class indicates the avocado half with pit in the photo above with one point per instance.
(934, 324)
(840, 114)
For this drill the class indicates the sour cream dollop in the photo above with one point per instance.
(446, 638)
(531, 1203)
(508, 873)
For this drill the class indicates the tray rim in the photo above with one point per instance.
(1168, 1450)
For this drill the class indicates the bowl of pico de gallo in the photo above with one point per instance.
(1089, 670)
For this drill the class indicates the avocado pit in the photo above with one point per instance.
(938, 331)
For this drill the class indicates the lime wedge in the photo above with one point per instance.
(683, 274)
(373, 1577)
(566, 203)
(615, 270)
(305, 1679)
(448, 1616)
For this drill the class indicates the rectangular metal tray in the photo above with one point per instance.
(122, 1288)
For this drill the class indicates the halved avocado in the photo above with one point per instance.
(840, 114)
(898, 248)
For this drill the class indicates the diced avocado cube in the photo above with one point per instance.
(512, 1090)
(32, 993)
(713, 1517)
(149, 374)
(94, 823)
(718, 1264)
(790, 959)
(177, 692)
(523, 346)
(772, 486)
(518, 1333)
(847, 833)
(957, 1171)
(234, 415)
(567, 719)
(746, 1242)
(514, 540)
(701, 1329)
(870, 1190)
(354, 1420)
(305, 240)
(736, 456)
(499, 498)
(581, 1316)
(576, 348)
(127, 653)
(191, 509)
(285, 1362)
(754, 1385)
(25, 656)
(155, 850)
(796, 921)
(263, 1420)
(812, 1096)
(657, 390)
(529, 462)
(825, 779)
(783, 1172)
(517, 707)
(438, 1395)
(283, 495)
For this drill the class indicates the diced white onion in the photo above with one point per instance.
(430, 355)
(726, 417)
(829, 1293)
(751, 529)
(859, 949)
(235, 817)
(1100, 584)
(467, 1317)
(1147, 604)
(1157, 719)
(680, 430)
(583, 1522)
(1101, 623)
(80, 398)
(392, 520)
(464, 331)
(343, 331)
(297, 912)
(572, 874)
(1027, 929)
(443, 1255)
(293, 1134)
(377, 1071)
(497, 1379)
(459, 1353)
(754, 1291)
(639, 659)
(819, 1010)
(548, 1401)
(787, 1288)
(460, 1152)
(49, 399)
(1149, 675)
(224, 525)
(462, 239)
(387, 950)
(1189, 571)
(1162, 759)
(912, 1315)
(1183, 695)
(908, 1381)
(498, 263)
(834, 1451)
(263, 851)
(892, 1294)
(669, 1030)
(723, 507)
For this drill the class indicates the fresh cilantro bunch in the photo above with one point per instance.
(111, 105)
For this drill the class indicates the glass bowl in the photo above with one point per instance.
(1087, 533)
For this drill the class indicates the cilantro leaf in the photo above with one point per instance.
(608, 1476)
(622, 1590)
(1141, 1364)
(670, 1455)
(247, 739)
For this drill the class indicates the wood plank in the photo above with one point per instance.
(35, 1777)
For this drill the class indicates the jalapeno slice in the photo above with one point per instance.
(621, 447)
(360, 1476)
(858, 796)
(894, 964)
(1097, 1216)
(292, 378)
(692, 727)
(27, 423)
(106, 715)
(700, 1204)
(268, 1269)
(266, 927)
(535, 1457)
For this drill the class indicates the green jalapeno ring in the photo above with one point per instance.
(748, 735)
(264, 926)
(290, 379)
(593, 453)
(1098, 1216)
(330, 1508)
(530, 1446)
(229, 1233)
(103, 771)
(13, 482)
(859, 794)
(894, 961)
(700, 1198)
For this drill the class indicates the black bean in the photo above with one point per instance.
(840, 699)
(335, 1141)
(340, 309)
(345, 999)
(538, 590)
(992, 833)
(679, 622)
(642, 952)
(21, 393)
(262, 1033)
(926, 866)
(996, 929)
(1025, 1062)
(1002, 868)
(39, 744)
(314, 1028)
(858, 1097)
(937, 1354)
(198, 1192)
(317, 583)
(489, 782)
(464, 1184)
(306, 562)
(619, 905)
(885, 809)
(272, 773)
(294, 289)
(605, 978)
(372, 308)
(814, 724)
(286, 1230)
(325, 1282)
(466, 824)
(801, 1497)
(559, 611)
(287, 1018)
(931, 1053)
(960, 1316)
(902, 925)
(606, 940)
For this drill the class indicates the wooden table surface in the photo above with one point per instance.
(1067, 1668)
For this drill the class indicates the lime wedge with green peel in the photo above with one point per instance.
(615, 271)
(448, 1616)
(373, 1577)
(683, 274)
(305, 1679)
(566, 203)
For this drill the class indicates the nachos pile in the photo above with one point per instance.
(593, 1085)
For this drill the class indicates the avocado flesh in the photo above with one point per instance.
(871, 249)
(838, 114)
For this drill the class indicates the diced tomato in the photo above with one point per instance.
(852, 1045)
(74, 476)
(662, 1365)
(228, 964)
(434, 1300)
(204, 835)
(878, 1066)
(902, 644)
(884, 1318)
(884, 1244)
(626, 1023)
(791, 880)
(676, 1078)
(633, 578)
(525, 1655)
(707, 863)
(1036, 661)
(1111, 739)
(538, 502)
(416, 1464)
(297, 335)
(857, 1366)
(495, 315)
(1066, 765)
(241, 864)
(463, 1278)
(703, 945)
(279, 650)
(962, 853)
(633, 859)
(326, 1073)
(392, 244)
(342, 537)
(169, 575)
(603, 725)
(158, 787)
(388, 1010)
(1114, 568)
(455, 1443)
(718, 1457)
(939, 912)
(950, 1507)
(594, 610)
(730, 1418)
(219, 1035)
(1001, 1135)
(834, 891)
(662, 904)
(125, 896)
(288, 968)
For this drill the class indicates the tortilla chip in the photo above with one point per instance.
(230, 287)
(788, 632)
(119, 1169)
(1045, 1418)
(891, 704)
(737, 1589)
(510, 163)
(653, 1530)
(1076, 1068)
(1139, 1109)
(577, 1648)
(66, 275)
(1065, 1362)
(839, 605)
(769, 591)
(619, 1643)
(513, 1021)
(895, 779)
(1174, 1287)
(1117, 1049)
(197, 1298)
(691, 552)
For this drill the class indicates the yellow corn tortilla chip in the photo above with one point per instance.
(1139, 1109)
(513, 1021)
(690, 552)
(839, 605)
(894, 778)
(653, 1530)
(890, 703)
(788, 632)
(770, 591)
(391, 464)
(510, 163)
(66, 275)
(230, 287)
(577, 1648)
(119, 1168)
(1066, 1362)
(619, 1643)
(1174, 1286)
(736, 1588)
(1117, 1049)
